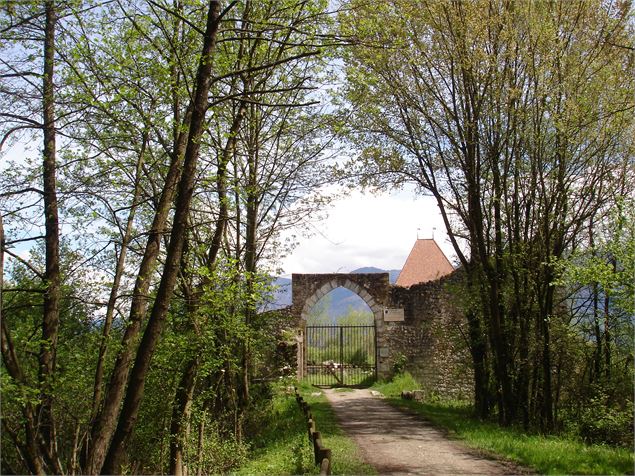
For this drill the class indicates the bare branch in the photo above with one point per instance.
(22, 240)
(39, 274)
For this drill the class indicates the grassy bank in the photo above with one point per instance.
(283, 447)
(543, 454)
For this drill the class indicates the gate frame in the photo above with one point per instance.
(308, 289)
(341, 348)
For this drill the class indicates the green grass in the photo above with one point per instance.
(543, 454)
(283, 446)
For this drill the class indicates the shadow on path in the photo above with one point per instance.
(395, 442)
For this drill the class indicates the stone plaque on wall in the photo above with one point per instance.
(393, 315)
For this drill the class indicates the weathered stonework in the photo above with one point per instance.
(373, 288)
(430, 338)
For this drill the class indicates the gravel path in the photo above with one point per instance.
(395, 442)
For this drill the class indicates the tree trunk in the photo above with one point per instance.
(105, 423)
(180, 415)
(29, 448)
(522, 391)
(478, 350)
(183, 398)
(51, 313)
(201, 441)
(39, 448)
(160, 308)
(497, 299)
(250, 246)
(607, 331)
(221, 183)
(546, 411)
(597, 367)
(114, 290)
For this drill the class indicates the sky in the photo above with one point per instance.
(369, 230)
(362, 229)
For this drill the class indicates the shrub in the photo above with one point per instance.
(399, 364)
(600, 422)
(221, 454)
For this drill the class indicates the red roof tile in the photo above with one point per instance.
(426, 262)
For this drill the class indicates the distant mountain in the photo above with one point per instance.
(339, 301)
(282, 294)
(392, 273)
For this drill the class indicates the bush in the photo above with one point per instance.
(600, 422)
(221, 454)
(399, 364)
(397, 384)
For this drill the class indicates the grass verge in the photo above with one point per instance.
(543, 454)
(283, 446)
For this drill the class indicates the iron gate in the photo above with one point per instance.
(341, 355)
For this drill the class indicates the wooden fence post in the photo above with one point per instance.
(311, 428)
(325, 467)
(317, 443)
(322, 456)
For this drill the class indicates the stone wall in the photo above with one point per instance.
(432, 338)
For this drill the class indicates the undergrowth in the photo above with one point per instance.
(543, 454)
(282, 445)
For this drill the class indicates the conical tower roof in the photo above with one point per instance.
(426, 262)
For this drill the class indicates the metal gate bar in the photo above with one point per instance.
(340, 355)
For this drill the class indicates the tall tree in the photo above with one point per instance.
(257, 173)
(502, 113)
(174, 161)
(22, 28)
(51, 312)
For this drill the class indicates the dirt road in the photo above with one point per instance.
(395, 442)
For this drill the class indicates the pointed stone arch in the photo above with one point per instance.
(372, 288)
(332, 284)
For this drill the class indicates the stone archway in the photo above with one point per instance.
(341, 283)
(372, 288)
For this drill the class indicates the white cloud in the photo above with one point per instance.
(369, 230)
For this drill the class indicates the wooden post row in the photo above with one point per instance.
(323, 456)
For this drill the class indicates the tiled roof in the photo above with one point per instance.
(426, 262)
